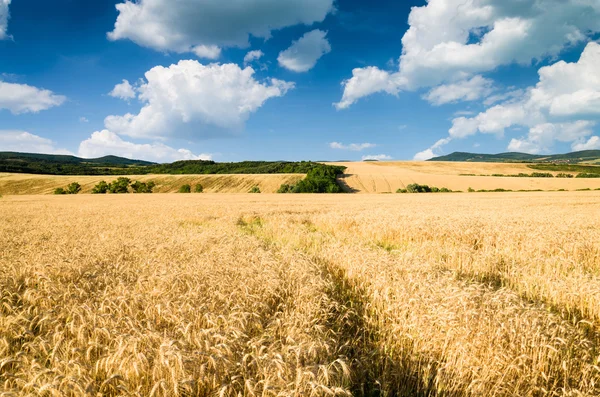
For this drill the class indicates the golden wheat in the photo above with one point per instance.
(300, 295)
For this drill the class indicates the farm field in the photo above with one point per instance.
(20, 184)
(300, 295)
(386, 177)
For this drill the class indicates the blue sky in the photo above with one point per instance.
(298, 80)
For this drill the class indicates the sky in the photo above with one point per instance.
(317, 80)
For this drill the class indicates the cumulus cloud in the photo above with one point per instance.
(304, 53)
(207, 51)
(195, 100)
(123, 91)
(466, 90)
(4, 15)
(103, 143)
(431, 152)
(185, 25)
(561, 107)
(253, 56)
(367, 81)
(357, 147)
(450, 40)
(541, 137)
(377, 157)
(425, 155)
(591, 144)
(23, 98)
(22, 141)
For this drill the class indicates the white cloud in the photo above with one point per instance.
(367, 81)
(432, 151)
(83, 120)
(304, 53)
(504, 96)
(541, 137)
(357, 147)
(123, 91)
(378, 157)
(253, 56)
(425, 155)
(466, 90)
(207, 51)
(23, 98)
(103, 143)
(4, 15)
(464, 113)
(194, 100)
(183, 25)
(22, 141)
(562, 107)
(451, 40)
(591, 144)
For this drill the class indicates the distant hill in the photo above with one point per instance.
(49, 164)
(66, 159)
(514, 157)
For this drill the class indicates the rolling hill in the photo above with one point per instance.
(17, 157)
(586, 156)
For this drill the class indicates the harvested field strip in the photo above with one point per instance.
(23, 184)
(387, 177)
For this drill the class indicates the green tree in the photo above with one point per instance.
(285, 188)
(100, 188)
(121, 185)
(255, 189)
(142, 187)
(73, 188)
(59, 190)
(198, 188)
(185, 189)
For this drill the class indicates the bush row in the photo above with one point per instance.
(73, 188)
(122, 185)
(416, 188)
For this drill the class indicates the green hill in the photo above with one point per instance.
(16, 157)
(514, 157)
(28, 163)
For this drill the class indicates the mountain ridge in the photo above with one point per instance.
(516, 157)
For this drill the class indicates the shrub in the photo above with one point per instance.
(471, 190)
(121, 185)
(285, 188)
(416, 188)
(563, 175)
(100, 188)
(255, 189)
(142, 187)
(59, 190)
(73, 188)
(185, 189)
(541, 175)
(587, 175)
(198, 188)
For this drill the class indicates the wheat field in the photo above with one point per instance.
(300, 295)
(24, 184)
(389, 176)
